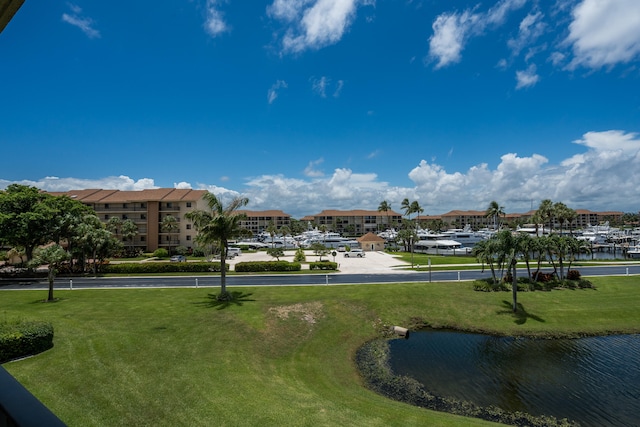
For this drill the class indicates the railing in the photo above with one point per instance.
(19, 408)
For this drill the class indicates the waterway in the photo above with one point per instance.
(594, 381)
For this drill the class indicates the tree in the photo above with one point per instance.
(218, 226)
(27, 218)
(129, 232)
(170, 226)
(406, 207)
(494, 211)
(545, 211)
(319, 249)
(272, 230)
(275, 252)
(385, 207)
(53, 256)
(563, 214)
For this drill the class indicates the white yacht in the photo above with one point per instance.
(466, 236)
(441, 247)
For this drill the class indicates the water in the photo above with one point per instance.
(595, 381)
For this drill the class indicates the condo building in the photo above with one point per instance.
(147, 209)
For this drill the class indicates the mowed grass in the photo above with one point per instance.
(281, 356)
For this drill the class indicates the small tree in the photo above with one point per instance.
(319, 249)
(275, 252)
(53, 256)
(170, 226)
(299, 256)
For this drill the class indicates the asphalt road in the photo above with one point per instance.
(285, 280)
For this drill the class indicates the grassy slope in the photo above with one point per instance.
(169, 357)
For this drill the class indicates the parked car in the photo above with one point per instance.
(178, 258)
(354, 253)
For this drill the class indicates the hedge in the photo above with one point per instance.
(259, 266)
(162, 267)
(21, 339)
(323, 265)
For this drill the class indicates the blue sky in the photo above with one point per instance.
(304, 105)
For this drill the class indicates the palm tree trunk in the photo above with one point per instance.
(514, 287)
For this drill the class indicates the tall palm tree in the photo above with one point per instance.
(385, 207)
(218, 226)
(494, 211)
(169, 225)
(406, 207)
(416, 208)
(546, 212)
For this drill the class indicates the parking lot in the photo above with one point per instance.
(372, 262)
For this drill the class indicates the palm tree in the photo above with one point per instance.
(546, 213)
(406, 207)
(129, 232)
(385, 207)
(218, 226)
(53, 256)
(494, 211)
(169, 225)
(416, 208)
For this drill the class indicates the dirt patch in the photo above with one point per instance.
(309, 312)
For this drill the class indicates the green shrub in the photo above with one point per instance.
(262, 266)
(22, 339)
(161, 253)
(162, 267)
(323, 265)
(299, 256)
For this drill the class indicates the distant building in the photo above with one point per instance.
(147, 209)
(258, 221)
(371, 242)
(355, 222)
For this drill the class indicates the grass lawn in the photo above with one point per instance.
(282, 356)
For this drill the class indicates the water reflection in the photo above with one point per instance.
(590, 380)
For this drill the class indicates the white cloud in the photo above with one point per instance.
(527, 78)
(182, 185)
(84, 23)
(272, 93)
(214, 23)
(603, 177)
(319, 86)
(529, 30)
(313, 24)
(452, 30)
(338, 91)
(311, 170)
(604, 33)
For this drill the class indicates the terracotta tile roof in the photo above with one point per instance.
(272, 213)
(354, 212)
(370, 237)
(118, 196)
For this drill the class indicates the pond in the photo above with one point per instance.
(594, 381)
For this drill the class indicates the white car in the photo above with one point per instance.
(354, 253)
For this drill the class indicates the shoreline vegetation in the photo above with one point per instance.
(277, 355)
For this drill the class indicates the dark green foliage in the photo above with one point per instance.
(260, 266)
(323, 265)
(373, 363)
(162, 267)
(22, 339)
(524, 284)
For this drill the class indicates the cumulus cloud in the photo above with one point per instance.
(604, 33)
(182, 185)
(273, 91)
(451, 31)
(602, 177)
(214, 23)
(527, 78)
(77, 20)
(313, 24)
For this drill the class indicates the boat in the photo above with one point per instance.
(441, 247)
(633, 251)
(466, 236)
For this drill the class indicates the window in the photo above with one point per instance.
(188, 204)
(106, 217)
(124, 217)
(143, 216)
(188, 226)
(188, 237)
(143, 205)
(169, 205)
(143, 238)
(106, 205)
(125, 206)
